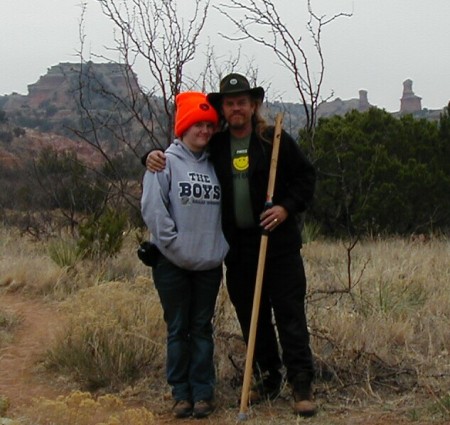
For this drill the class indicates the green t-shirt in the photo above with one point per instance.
(241, 191)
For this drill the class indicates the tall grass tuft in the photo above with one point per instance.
(310, 231)
(113, 335)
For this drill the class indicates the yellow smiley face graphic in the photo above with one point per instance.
(240, 163)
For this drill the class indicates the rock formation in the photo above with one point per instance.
(409, 103)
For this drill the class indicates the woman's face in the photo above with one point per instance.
(197, 136)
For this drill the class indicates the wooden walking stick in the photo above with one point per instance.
(259, 274)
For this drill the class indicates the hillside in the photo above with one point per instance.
(31, 142)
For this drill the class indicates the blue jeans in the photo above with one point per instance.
(188, 299)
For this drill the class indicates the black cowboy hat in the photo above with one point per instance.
(234, 84)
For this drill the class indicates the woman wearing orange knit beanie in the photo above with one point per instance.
(181, 208)
(192, 108)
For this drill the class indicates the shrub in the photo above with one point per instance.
(102, 236)
(19, 132)
(6, 136)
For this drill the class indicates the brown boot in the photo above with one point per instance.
(203, 408)
(182, 409)
(304, 404)
(267, 387)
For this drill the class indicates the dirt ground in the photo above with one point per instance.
(22, 379)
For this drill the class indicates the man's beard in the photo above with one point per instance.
(238, 124)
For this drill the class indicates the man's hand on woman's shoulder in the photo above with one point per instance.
(156, 161)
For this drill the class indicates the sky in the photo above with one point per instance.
(381, 45)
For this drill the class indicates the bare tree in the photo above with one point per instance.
(155, 32)
(119, 117)
(252, 16)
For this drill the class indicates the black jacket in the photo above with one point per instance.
(294, 187)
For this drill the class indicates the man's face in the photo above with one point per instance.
(238, 111)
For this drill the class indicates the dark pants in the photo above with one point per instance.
(284, 289)
(188, 299)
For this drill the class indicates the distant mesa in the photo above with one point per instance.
(52, 96)
(54, 102)
(61, 83)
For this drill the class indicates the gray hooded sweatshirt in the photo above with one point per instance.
(181, 207)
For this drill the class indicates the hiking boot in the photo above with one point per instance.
(182, 409)
(267, 388)
(203, 408)
(304, 404)
(257, 394)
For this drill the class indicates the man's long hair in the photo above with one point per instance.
(259, 124)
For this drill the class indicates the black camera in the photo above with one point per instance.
(148, 253)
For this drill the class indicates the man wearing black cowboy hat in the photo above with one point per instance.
(241, 155)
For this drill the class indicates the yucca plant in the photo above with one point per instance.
(64, 252)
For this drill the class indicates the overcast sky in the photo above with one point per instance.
(384, 43)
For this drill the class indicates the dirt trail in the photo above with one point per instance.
(20, 378)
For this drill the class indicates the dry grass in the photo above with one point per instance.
(24, 266)
(390, 334)
(380, 329)
(36, 268)
(113, 333)
(82, 408)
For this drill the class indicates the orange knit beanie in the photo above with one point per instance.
(192, 107)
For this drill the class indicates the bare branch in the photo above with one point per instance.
(260, 21)
(155, 32)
